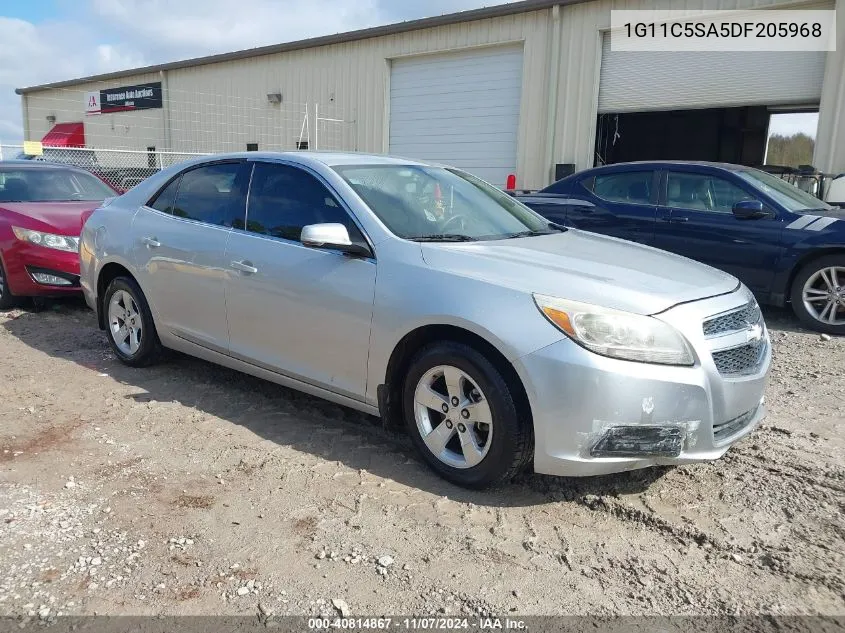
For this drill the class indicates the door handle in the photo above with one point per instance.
(245, 267)
(675, 219)
(151, 242)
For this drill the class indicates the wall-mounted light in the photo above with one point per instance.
(274, 97)
(51, 118)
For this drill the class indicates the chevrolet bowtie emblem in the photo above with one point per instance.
(754, 334)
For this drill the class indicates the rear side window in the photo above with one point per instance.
(212, 194)
(630, 186)
(166, 197)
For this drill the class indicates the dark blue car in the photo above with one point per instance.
(786, 245)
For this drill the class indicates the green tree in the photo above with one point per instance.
(790, 151)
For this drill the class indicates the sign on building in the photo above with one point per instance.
(124, 99)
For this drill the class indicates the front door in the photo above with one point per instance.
(696, 220)
(304, 312)
(180, 243)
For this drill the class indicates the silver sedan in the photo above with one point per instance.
(424, 295)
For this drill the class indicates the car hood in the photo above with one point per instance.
(65, 218)
(585, 267)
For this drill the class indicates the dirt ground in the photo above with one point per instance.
(191, 489)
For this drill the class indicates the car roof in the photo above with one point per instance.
(668, 163)
(330, 159)
(38, 164)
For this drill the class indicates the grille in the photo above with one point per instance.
(738, 361)
(726, 429)
(733, 321)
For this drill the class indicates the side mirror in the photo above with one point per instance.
(331, 236)
(749, 210)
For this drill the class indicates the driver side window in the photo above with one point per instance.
(702, 192)
(284, 199)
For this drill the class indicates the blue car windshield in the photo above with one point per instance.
(788, 196)
(423, 203)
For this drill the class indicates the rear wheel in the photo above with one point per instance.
(129, 323)
(818, 294)
(462, 417)
(7, 299)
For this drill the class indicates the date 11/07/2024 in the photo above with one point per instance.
(418, 623)
(723, 29)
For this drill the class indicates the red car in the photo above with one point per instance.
(42, 209)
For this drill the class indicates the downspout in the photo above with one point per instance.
(554, 88)
(165, 97)
(25, 113)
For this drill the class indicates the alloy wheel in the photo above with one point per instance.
(824, 295)
(453, 417)
(2, 283)
(125, 322)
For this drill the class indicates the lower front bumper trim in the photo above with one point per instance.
(639, 441)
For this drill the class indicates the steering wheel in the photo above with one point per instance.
(448, 223)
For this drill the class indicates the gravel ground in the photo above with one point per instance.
(191, 489)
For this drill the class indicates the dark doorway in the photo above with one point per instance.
(730, 135)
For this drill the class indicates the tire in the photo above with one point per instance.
(7, 299)
(140, 347)
(496, 450)
(817, 280)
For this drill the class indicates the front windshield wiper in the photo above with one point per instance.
(442, 237)
(552, 229)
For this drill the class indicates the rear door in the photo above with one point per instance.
(696, 220)
(619, 203)
(180, 240)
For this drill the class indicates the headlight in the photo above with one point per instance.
(59, 242)
(616, 333)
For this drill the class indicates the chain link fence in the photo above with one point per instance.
(122, 169)
(112, 152)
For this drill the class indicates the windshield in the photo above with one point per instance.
(50, 185)
(431, 203)
(787, 195)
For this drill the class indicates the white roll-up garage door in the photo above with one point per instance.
(461, 109)
(645, 80)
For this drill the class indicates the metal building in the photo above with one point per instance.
(529, 88)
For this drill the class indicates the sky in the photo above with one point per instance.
(42, 41)
(787, 124)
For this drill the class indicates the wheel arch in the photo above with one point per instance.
(108, 273)
(806, 259)
(390, 392)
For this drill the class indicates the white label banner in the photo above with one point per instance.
(743, 31)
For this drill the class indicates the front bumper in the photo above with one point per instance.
(581, 400)
(24, 263)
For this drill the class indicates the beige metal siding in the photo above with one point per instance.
(830, 138)
(581, 41)
(349, 82)
(223, 106)
(124, 130)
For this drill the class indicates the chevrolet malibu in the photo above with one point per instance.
(422, 294)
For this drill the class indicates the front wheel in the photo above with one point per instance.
(7, 299)
(818, 294)
(462, 416)
(129, 323)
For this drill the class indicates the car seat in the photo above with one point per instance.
(207, 202)
(15, 190)
(638, 192)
